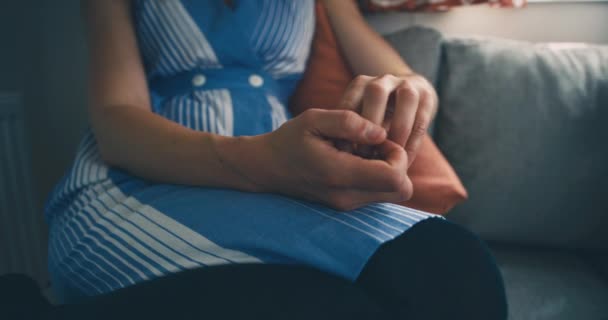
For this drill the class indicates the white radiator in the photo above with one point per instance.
(22, 230)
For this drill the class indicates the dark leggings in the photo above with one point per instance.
(435, 270)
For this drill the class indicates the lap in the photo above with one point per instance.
(436, 270)
(125, 231)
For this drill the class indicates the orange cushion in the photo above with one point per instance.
(436, 186)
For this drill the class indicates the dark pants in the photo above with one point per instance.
(436, 270)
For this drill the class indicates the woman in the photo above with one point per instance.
(194, 161)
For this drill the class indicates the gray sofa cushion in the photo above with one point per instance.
(420, 47)
(526, 128)
(551, 285)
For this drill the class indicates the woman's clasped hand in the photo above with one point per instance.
(346, 157)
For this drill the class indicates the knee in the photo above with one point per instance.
(463, 266)
(445, 267)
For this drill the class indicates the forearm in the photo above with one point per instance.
(130, 136)
(157, 149)
(365, 50)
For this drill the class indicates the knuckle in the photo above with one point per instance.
(401, 184)
(387, 77)
(406, 157)
(424, 93)
(405, 192)
(348, 101)
(429, 100)
(360, 80)
(310, 114)
(429, 96)
(419, 129)
(397, 180)
(340, 202)
(430, 90)
(350, 123)
(376, 87)
(402, 154)
(407, 90)
(347, 116)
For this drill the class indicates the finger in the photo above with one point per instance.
(384, 175)
(423, 119)
(393, 154)
(348, 200)
(351, 100)
(376, 95)
(346, 125)
(406, 104)
(375, 104)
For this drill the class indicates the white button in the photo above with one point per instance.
(256, 81)
(198, 80)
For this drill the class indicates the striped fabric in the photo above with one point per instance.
(109, 229)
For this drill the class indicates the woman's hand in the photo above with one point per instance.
(403, 105)
(299, 159)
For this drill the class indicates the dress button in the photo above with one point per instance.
(256, 81)
(198, 80)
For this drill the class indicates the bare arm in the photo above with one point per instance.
(298, 159)
(366, 51)
(129, 134)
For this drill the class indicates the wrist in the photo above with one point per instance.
(239, 158)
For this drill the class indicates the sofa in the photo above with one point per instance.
(524, 126)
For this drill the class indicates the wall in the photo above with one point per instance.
(19, 36)
(43, 59)
(20, 73)
(58, 117)
(586, 22)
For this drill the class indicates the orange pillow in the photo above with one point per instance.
(436, 186)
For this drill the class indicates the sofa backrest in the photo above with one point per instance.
(524, 126)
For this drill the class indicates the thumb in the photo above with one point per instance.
(347, 125)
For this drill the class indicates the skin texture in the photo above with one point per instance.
(343, 180)
(300, 159)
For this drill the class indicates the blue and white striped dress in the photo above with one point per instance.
(228, 71)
